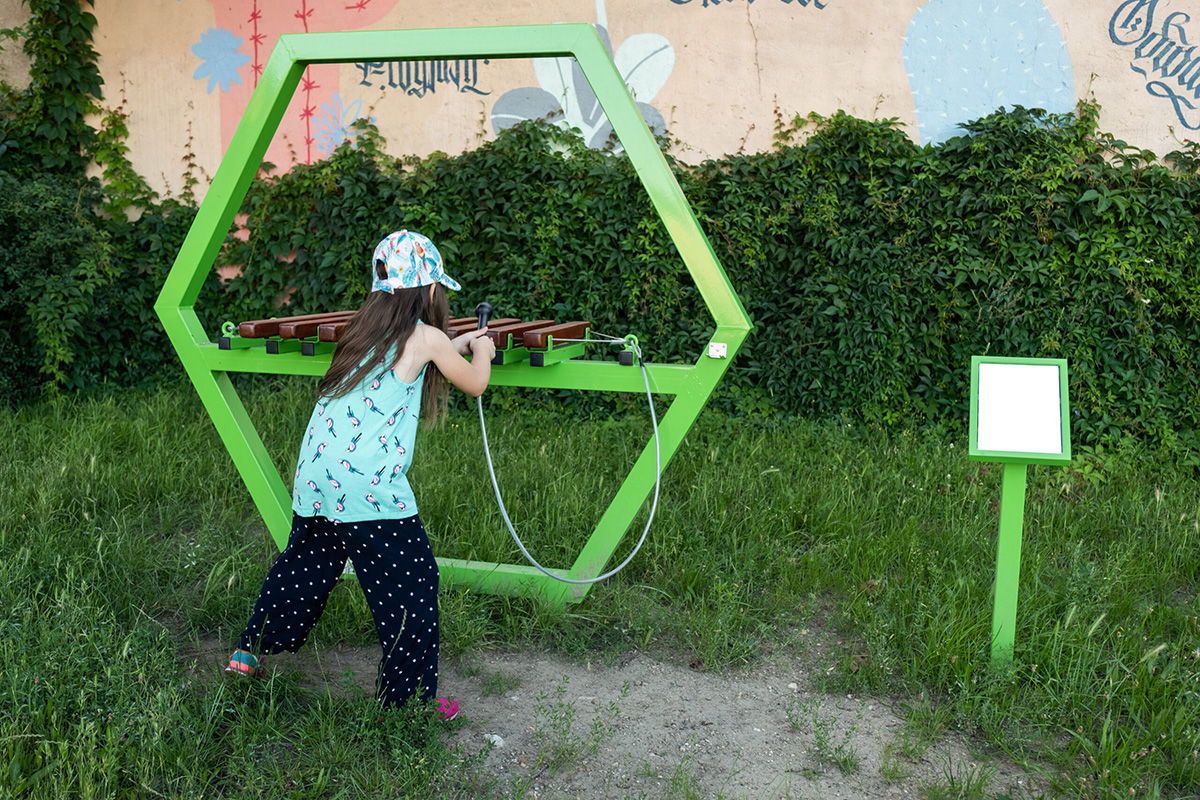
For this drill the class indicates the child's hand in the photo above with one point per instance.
(473, 376)
(482, 346)
(462, 342)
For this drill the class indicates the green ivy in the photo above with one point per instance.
(540, 224)
(43, 128)
(872, 268)
(81, 261)
(53, 258)
(1030, 235)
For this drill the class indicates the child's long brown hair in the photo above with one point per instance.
(387, 319)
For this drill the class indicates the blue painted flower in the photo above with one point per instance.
(335, 126)
(219, 50)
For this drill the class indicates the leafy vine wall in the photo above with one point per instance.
(873, 268)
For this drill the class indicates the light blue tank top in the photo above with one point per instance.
(356, 451)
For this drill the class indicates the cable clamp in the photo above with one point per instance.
(627, 355)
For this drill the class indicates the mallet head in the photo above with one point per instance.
(484, 311)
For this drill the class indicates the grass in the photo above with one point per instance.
(125, 534)
(500, 683)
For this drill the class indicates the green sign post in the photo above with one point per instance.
(1019, 416)
(208, 366)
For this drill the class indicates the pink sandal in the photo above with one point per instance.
(447, 709)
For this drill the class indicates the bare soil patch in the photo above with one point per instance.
(542, 726)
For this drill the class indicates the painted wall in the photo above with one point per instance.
(14, 66)
(715, 74)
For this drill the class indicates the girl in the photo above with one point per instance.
(351, 496)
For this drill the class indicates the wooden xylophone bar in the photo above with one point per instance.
(535, 341)
(515, 340)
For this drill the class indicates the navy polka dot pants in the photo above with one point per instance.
(399, 578)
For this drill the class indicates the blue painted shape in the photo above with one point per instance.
(967, 58)
(528, 102)
(566, 98)
(335, 126)
(218, 49)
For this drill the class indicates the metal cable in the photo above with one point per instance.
(657, 475)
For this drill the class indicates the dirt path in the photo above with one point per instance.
(547, 727)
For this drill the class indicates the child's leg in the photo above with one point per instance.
(294, 594)
(399, 578)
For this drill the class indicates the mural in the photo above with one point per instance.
(713, 3)
(1161, 53)
(189, 67)
(967, 58)
(565, 98)
(232, 57)
(316, 120)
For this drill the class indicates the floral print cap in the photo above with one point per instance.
(412, 260)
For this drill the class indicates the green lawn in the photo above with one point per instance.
(125, 534)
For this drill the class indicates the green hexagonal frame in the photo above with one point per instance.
(208, 366)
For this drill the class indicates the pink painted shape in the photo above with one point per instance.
(262, 22)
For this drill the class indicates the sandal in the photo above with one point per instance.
(246, 664)
(447, 709)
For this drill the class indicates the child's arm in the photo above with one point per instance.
(470, 376)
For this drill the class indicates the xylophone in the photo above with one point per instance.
(541, 342)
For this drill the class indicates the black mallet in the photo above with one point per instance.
(484, 310)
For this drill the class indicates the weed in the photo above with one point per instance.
(924, 724)
(965, 782)
(891, 765)
(559, 743)
(800, 710)
(682, 785)
(829, 745)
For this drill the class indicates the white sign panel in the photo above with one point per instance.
(1019, 408)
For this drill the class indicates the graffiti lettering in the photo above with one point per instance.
(1162, 54)
(419, 78)
(801, 3)
(1134, 17)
